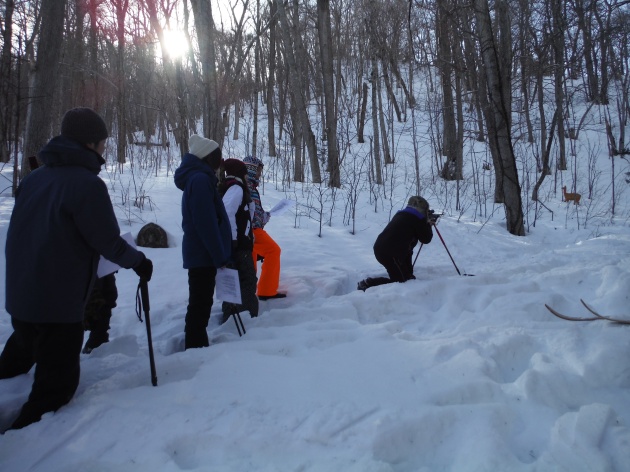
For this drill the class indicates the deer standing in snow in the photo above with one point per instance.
(571, 196)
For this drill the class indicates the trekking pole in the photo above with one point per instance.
(449, 252)
(142, 304)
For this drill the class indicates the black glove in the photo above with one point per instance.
(144, 269)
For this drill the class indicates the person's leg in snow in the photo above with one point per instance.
(201, 282)
(98, 312)
(57, 350)
(17, 357)
(269, 280)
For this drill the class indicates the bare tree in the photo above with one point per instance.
(326, 53)
(43, 80)
(558, 27)
(271, 79)
(206, 37)
(376, 147)
(5, 81)
(499, 125)
(297, 90)
(445, 35)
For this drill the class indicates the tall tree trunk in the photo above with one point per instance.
(390, 91)
(445, 67)
(498, 128)
(525, 60)
(204, 23)
(558, 23)
(545, 171)
(297, 90)
(363, 99)
(381, 119)
(326, 53)
(121, 113)
(257, 58)
(271, 80)
(174, 77)
(584, 13)
(376, 147)
(5, 80)
(43, 80)
(93, 61)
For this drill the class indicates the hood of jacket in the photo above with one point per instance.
(62, 151)
(191, 165)
(411, 210)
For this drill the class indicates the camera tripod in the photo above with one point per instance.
(433, 217)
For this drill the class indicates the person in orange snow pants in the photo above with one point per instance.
(265, 248)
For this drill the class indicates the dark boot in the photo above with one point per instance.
(195, 339)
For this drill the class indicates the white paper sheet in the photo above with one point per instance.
(282, 206)
(228, 286)
(105, 266)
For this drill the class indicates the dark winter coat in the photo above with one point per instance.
(402, 233)
(62, 221)
(207, 239)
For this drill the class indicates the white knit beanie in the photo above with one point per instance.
(200, 146)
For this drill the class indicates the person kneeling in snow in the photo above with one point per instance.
(394, 246)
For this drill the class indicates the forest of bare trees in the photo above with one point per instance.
(328, 74)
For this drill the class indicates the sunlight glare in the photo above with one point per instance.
(176, 43)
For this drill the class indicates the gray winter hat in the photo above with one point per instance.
(419, 204)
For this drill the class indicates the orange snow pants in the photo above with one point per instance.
(267, 248)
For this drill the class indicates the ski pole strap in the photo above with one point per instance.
(139, 302)
(142, 298)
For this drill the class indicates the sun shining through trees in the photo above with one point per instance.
(176, 43)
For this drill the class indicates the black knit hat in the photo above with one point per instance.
(83, 125)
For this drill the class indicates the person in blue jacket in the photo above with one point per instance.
(207, 242)
(393, 248)
(62, 221)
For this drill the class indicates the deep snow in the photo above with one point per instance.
(445, 372)
(442, 373)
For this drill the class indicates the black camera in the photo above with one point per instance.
(433, 216)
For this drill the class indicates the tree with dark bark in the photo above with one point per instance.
(499, 123)
(43, 80)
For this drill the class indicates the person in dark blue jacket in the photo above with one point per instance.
(62, 221)
(393, 248)
(207, 241)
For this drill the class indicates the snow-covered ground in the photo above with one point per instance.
(445, 372)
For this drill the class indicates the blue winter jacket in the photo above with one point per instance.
(207, 237)
(62, 221)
